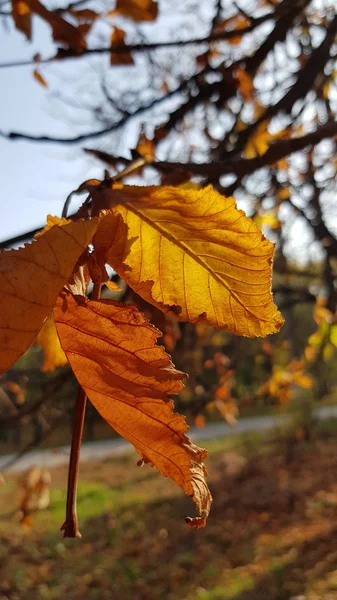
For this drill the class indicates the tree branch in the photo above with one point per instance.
(238, 166)
(113, 127)
(213, 170)
(125, 49)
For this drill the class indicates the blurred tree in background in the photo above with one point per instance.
(242, 96)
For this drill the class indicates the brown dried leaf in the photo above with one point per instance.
(113, 352)
(22, 17)
(31, 279)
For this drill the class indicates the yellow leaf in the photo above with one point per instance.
(194, 255)
(303, 380)
(260, 140)
(37, 75)
(113, 286)
(322, 315)
(190, 185)
(328, 352)
(267, 220)
(49, 340)
(333, 335)
(282, 164)
(310, 353)
(113, 352)
(137, 10)
(146, 148)
(32, 277)
(283, 193)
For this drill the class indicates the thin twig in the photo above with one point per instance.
(123, 49)
(70, 526)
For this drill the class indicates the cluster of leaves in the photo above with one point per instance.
(156, 240)
(247, 110)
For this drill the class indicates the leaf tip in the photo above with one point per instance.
(197, 522)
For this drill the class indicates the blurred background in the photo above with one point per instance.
(242, 96)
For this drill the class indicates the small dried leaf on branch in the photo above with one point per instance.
(63, 31)
(84, 14)
(137, 10)
(37, 75)
(119, 58)
(22, 17)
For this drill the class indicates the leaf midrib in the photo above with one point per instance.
(197, 259)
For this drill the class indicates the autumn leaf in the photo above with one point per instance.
(146, 147)
(113, 353)
(245, 84)
(37, 75)
(267, 219)
(194, 255)
(137, 10)
(63, 31)
(235, 23)
(22, 17)
(16, 390)
(32, 277)
(117, 39)
(53, 354)
(84, 14)
(259, 142)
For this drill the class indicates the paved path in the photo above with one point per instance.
(116, 447)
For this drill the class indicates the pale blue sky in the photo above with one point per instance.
(35, 178)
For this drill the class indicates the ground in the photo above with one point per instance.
(272, 532)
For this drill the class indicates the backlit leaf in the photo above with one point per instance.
(146, 147)
(113, 353)
(32, 277)
(49, 340)
(260, 141)
(194, 255)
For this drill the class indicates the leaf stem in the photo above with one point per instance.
(96, 292)
(70, 526)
